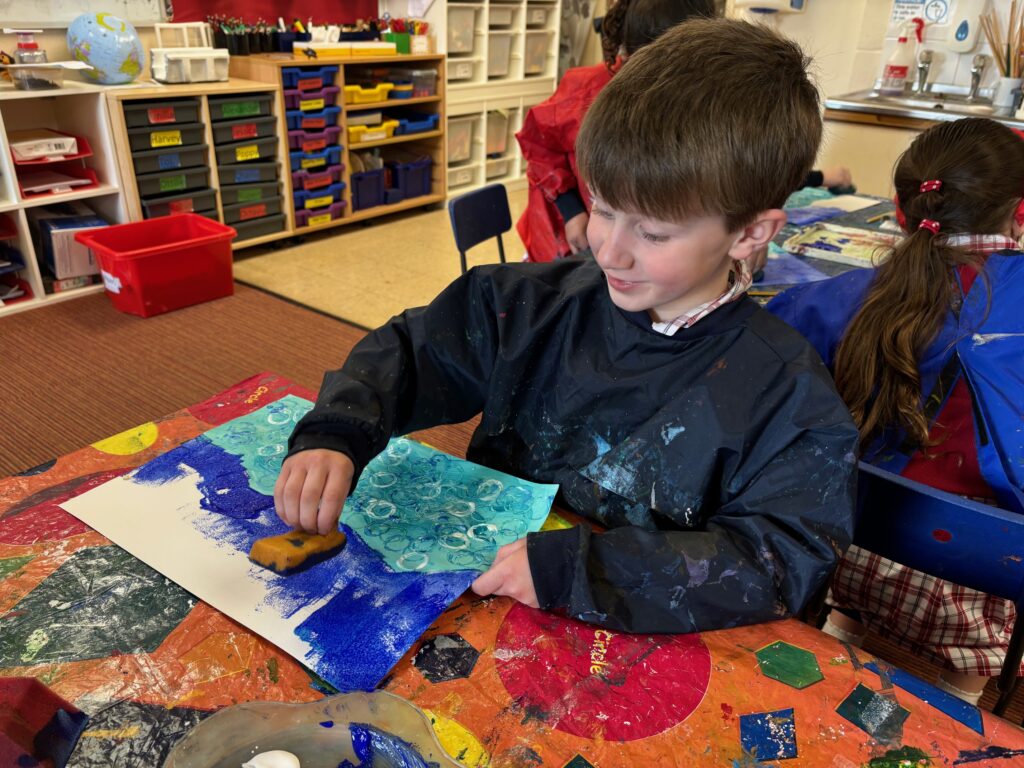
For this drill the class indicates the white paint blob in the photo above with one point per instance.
(277, 758)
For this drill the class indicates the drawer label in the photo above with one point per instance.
(181, 206)
(315, 182)
(250, 195)
(309, 83)
(319, 202)
(323, 218)
(243, 131)
(252, 211)
(165, 139)
(314, 145)
(313, 162)
(245, 175)
(240, 109)
(169, 162)
(311, 104)
(172, 183)
(314, 122)
(160, 115)
(248, 152)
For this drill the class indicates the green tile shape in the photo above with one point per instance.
(788, 664)
(9, 565)
(879, 716)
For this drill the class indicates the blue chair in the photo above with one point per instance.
(478, 216)
(945, 535)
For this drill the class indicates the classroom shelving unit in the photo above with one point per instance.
(502, 60)
(236, 152)
(365, 194)
(78, 109)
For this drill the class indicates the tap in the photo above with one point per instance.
(977, 70)
(924, 64)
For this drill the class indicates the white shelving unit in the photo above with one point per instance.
(502, 59)
(79, 109)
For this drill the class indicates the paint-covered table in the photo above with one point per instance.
(505, 685)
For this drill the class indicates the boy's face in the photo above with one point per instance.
(660, 267)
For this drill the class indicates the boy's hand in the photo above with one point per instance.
(836, 176)
(576, 232)
(312, 488)
(509, 575)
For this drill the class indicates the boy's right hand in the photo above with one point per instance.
(312, 488)
(576, 232)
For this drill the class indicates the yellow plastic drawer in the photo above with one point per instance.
(357, 94)
(359, 134)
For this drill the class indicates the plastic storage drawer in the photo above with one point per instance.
(188, 202)
(367, 189)
(460, 70)
(240, 130)
(157, 266)
(232, 194)
(239, 105)
(311, 161)
(311, 101)
(461, 28)
(312, 121)
(536, 54)
(163, 136)
(360, 94)
(244, 151)
(499, 54)
(308, 78)
(169, 182)
(496, 168)
(310, 180)
(424, 81)
(313, 141)
(412, 178)
(460, 177)
(536, 15)
(319, 198)
(460, 138)
(320, 216)
(426, 123)
(499, 17)
(401, 90)
(268, 225)
(248, 173)
(361, 134)
(246, 211)
(497, 133)
(153, 160)
(138, 114)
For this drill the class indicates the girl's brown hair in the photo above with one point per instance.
(980, 164)
(629, 25)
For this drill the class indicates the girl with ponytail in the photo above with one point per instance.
(926, 351)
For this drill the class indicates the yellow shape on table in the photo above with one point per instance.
(130, 441)
(458, 742)
(555, 522)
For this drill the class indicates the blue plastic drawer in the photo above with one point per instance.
(308, 78)
(310, 161)
(318, 198)
(428, 123)
(312, 121)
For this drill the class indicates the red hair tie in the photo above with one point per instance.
(932, 185)
(931, 224)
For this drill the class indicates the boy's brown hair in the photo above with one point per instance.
(715, 117)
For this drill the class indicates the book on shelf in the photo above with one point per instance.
(38, 182)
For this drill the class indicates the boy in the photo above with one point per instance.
(702, 432)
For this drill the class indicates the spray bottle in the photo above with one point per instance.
(894, 74)
(28, 50)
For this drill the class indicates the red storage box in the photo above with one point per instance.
(162, 264)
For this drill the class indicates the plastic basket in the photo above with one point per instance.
(155, 266)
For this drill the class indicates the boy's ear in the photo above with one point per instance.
(758, 233)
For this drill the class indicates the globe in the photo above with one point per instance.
(110, 45)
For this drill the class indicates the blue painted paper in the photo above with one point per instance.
(769, 735)
(421, 525)
(955, 707)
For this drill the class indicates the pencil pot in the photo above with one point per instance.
(1005, 92)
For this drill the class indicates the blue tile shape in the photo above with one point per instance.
(769, 735)
(958, 709)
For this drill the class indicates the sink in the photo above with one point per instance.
(938, 105)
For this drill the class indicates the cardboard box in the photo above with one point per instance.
(38, 143)
(54, 229)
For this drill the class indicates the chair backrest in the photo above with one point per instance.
(479, 215)
(965, 542)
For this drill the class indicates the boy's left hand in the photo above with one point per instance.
(509, 575)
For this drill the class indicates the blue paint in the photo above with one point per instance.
(956, 708)
(327, 723)
(769, 735)
(57, 739)
(375, 748)
(783, 268)
(988, 753)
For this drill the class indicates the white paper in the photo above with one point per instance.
(845, 202)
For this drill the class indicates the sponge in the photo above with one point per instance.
(295, 551)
